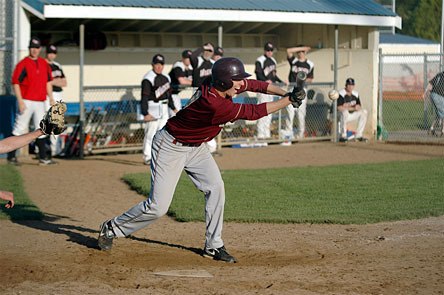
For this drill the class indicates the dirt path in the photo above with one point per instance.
(58, 255)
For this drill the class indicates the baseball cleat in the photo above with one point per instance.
(218, 254)
(362, 139)
(343, 139)
(106, 236)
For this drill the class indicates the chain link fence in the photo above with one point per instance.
(113, 121)
(406, 111)
(7, 9)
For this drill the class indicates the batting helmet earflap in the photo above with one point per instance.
(225, 70)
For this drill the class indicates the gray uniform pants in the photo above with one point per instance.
(167, 163)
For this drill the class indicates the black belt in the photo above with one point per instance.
(176, 142)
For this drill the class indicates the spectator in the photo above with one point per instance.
(435, 89)
(265, 69)
(181, 75)
(218, 53)
(298, 63)
(58, 82)
(32, 83)
(350, 109)
(156, 98)
(202, 62)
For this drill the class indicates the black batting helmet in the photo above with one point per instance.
(225, 70)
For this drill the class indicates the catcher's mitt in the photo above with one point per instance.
(296, 96)
(54, 120)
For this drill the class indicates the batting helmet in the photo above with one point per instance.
(225, 70)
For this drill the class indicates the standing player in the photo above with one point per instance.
(181, 75)
(202, 63)
(32, 84)
(156, 98)
(350, 109)
(218, 53)
(179, 146)
(298, 64)
(266, 71)
(58, 82)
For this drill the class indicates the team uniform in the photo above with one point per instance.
(156, 98)
(348, 116)
(296, 66)
(180, 146)
(32, 77)
(179, 70)
(437, 94)
(201, 67)
(265, 69)
(57, 92)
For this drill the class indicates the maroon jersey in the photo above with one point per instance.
(203, 118)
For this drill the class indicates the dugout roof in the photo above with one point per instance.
(336, 12)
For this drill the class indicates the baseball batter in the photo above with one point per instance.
(156, 98)
(265, 69)
(179, 146)
(350, 109)
(298, 63)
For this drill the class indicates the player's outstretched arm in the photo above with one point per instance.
(14, 142)
(7, 196)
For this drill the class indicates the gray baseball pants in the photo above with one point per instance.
(168, 161)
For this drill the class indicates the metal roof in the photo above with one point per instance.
(389, 38)
(341, 12)
(360, 7)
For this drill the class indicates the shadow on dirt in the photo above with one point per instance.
(191, 249)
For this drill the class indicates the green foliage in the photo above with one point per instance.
(420, 18)
(23, 209)
(335, 194)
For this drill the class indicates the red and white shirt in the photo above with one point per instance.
(32, 76)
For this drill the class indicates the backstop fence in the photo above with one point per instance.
(407, 111)
(117, 124)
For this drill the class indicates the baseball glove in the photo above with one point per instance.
(54, 120)
(296, 96)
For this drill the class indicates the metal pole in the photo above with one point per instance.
(442, 35)
(394, 10)
(220, 30)
(15, 33)
(380, 123)
(335, 82)
(82, 103)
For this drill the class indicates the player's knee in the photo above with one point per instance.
(155, 210)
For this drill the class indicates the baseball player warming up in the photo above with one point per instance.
(179, 145)
(156, 98)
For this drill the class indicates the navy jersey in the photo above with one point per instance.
(201, 67)
(179, 70)
(156, 88)
(438, 84)
(265, 69)
(297, 65)
(353, 99)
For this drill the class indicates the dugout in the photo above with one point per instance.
(122, 36)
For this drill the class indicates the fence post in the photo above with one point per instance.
(380, 118)
(82, 104)
(426, 99)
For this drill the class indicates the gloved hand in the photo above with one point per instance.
(296, 96)
(54, 120)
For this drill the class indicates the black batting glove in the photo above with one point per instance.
(296, 96)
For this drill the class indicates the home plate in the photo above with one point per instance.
(190, 273)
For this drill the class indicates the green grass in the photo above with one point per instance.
(24, 209)
(401, 115)
(346, 194)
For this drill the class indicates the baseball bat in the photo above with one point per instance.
(300, 79)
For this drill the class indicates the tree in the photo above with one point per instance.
(427, 20)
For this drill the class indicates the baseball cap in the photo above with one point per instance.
(34, 43)
(350, 81)
(158, 59)
(186, 53)
(219, 51)
(268, 46)
(51, 48)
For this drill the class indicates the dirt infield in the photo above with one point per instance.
(59, 256)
